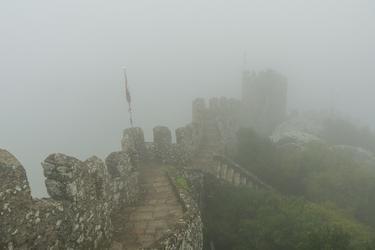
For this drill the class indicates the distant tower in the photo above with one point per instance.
(264, 98)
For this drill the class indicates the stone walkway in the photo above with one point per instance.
(156, 213)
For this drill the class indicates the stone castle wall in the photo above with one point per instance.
(188, 233)
(83, 195)
(264, 98)
(217, 123)
(162, 150)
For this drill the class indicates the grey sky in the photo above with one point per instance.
(62, 85)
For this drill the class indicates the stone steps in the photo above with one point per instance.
(155, 215)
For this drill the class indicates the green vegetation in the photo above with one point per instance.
(325, 199)
(181, 182)
(242, 218)
(317, 172)
(340, 131)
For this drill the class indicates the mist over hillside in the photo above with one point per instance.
(284, 89)
(62, 84)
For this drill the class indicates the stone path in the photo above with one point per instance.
(156, 214)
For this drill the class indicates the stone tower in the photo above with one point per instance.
(264, 98)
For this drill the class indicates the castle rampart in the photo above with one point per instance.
(78, 214)
(85, 195)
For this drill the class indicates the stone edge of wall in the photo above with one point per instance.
(188, 233)
(78, 214)
(242, 171)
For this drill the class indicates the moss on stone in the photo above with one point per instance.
(182, 183)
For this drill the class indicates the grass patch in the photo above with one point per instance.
(182, 183)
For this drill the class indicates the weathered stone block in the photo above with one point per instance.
(63, 174)
(162, 135)
(78, 214)
(184, 135)
(118, 164)
(199, 110)
(133, 143)
(123, 179)
(15, 197)
(162, 143)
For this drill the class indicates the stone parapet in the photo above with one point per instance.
(78, 214)
(188, 233)
(133, 143)
(229, 171)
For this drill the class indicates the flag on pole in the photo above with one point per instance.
(128, 98)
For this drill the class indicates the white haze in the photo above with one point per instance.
(62, 85)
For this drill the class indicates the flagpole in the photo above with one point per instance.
(128, 98)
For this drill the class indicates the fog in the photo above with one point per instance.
(62, 87)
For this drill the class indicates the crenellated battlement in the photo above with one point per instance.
(86, 195)
(216, 107)
(161, 149)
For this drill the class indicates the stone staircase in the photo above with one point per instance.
(157, 212)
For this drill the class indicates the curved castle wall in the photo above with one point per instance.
(78, 215)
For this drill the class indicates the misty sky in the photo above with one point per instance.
(61, 84)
